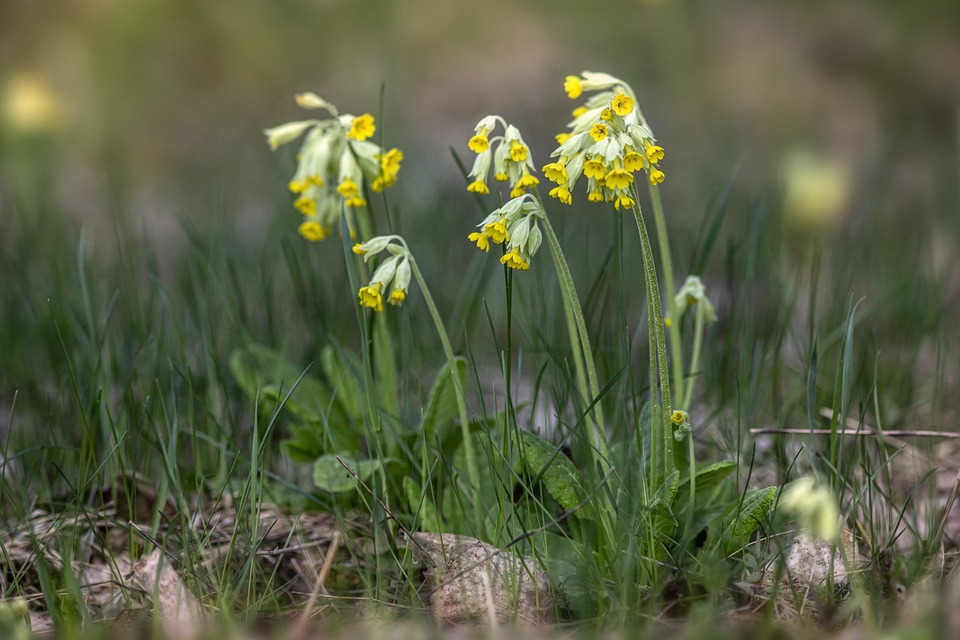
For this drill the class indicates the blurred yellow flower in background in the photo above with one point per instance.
(816, 189)
(31, 106)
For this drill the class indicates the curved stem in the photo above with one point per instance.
(693, 488)
(676, 343)
(472, 471)
(572, 304)
(655, 318)
(694, 359)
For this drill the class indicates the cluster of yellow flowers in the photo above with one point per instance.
(508, 153)
(392, 275)
(334, 160)
(609, 140)
(513, 224)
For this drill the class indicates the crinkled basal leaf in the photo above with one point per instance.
(441, 406)
(305, 443)
(668, 490)
(331, 476)
(740, 524)
(341, 370)
(708, 478)
(557, 473)
(263, 373)
(660, 514)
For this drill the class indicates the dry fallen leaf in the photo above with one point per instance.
(179, 612)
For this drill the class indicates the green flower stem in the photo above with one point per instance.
(472, 471)
(572, 307)
(583, 359)
(382, 342)
(688, 530)
(655, 317)
(694, 359)
(676, 343)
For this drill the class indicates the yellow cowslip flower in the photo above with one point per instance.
(599, 131)
(508, 155)
(514, 225)
(362, 128)
(610, 129)
(497, 231)
(594, 169)
(389, 168)
(678, 416)
(555, 172)
(297, 186)
(514, 261)
(623, 200)
(478, 186)
(632, 161)
(348, 188)
(562, 193)
(370, 296)
(355, 202)
(654, 153)
(562, 137)
(390, 164)
(479, 143)
(518, 151)
(622, 104)
(358, 249)
(573, 87)
(397, 296)
(618, 179)
(526, 180)
(306, 205)
(482, 240)
(523, 183)
(313, 231)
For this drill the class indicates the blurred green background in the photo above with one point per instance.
(835, 126)
(159, 104)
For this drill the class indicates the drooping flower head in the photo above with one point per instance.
(693, 292)
(507, 153)
(513, 225)
(391, 279)
(814, 506)
(335, 161)
(607, 143)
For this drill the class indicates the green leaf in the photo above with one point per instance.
(661, 518)
(304, 445)
(496, 475)
(442, 402)
(331, 476)
(740, 524)
(556, 471)
(264, 373)
(668, 490)
(708, 478)
(421, 507)
(342, 370)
